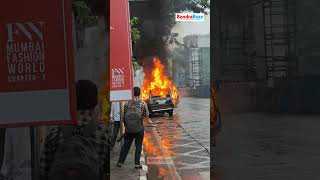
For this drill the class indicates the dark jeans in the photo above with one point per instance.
(128, 139)
(116, 128)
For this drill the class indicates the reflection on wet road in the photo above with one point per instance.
(178, 147)
(268, 147)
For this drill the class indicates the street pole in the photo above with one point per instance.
(35, 175)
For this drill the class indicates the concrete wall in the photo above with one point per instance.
(308, 37)
(91, 59)
(205, 65)
(179, 76)
(237, 97)
(201, 92)
(204, 40)
(298, 95)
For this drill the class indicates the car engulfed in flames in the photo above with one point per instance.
(158, 90)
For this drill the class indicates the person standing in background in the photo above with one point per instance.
(17, 154)
(116, 120)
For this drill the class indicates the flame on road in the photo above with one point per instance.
(157, 82)
(153, 150)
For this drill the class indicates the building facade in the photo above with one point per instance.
(197, 48)
(268, 47)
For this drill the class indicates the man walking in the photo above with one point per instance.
(115, 117)
(134, 112)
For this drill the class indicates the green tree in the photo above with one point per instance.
(135, 36)
(83, 14)
(135, 33)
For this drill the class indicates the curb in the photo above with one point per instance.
(143, 160)
(144, 171)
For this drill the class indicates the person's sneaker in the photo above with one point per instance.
(138, 166)
(119, 164)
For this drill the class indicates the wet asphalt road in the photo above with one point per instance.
(178, 147)
(268, 147)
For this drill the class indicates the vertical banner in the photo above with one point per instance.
(121, 77)
(36, 63)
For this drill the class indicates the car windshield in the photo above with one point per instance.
(158, 98)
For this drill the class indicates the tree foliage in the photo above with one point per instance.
(135, 36)
(83, 14)
(135, 33)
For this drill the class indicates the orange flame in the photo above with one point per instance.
(158, 83)
(160, 149)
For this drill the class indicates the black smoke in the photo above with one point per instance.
(155, 26)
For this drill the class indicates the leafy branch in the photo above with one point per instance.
(83, 14)
(135, 33)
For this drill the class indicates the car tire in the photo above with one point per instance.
(170, 113)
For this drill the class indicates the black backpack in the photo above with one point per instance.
(133, 118)
(76, 157)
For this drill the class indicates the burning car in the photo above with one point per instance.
(159, 104)
(158, 89)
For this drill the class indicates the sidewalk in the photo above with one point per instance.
(127, 171)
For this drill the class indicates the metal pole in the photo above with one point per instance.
(2, 144)
(35, 175)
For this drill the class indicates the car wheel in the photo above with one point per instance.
(170, 113)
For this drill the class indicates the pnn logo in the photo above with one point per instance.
(117, 71)
(28, 29)
(189, 16)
